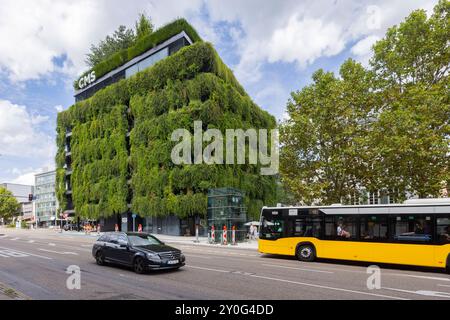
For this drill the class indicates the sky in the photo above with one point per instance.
(273, 47)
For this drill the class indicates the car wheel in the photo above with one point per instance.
(100, 258)
(306, 253)
(138, 265)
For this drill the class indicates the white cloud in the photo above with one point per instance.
(363, 49)
(305, 40)
(26, 178)
(19, 136)
(35, 33)
(303, 31)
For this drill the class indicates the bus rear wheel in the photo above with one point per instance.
(306, 253)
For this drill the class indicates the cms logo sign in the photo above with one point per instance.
(87, 80)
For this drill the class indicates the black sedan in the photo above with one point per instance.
(141, 251)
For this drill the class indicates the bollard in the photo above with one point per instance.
(196, 234)
(225, 240)
(213, 235)
(233, 236)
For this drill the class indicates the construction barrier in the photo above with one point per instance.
(213, 235)
(233, 235)
(225, 232)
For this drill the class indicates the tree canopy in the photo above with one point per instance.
(8, 204)
(122, 38)
(385, 127)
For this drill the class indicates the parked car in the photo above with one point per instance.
(141, 251)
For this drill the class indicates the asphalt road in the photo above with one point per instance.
(33, 265)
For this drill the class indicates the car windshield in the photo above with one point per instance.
(144, 240)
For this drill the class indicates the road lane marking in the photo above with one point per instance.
(328, 288)
(208, 269)
(443, 285)
(31, 241)
(418, 277)
(195, 256)
(62, 253)
(30, 254)
(301, 269)
(423, 292)
(14, 239)
(52, 245)
(12, 254)
(298, 283)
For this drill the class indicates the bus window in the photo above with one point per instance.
(272, 228)
(374, 228)
(443, 230)
(413, 228)
(304, 227)
(340, 228)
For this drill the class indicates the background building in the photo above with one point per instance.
(114, 148)
(22, 194)
(46, 202)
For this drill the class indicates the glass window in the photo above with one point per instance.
(374, 228)
(340, 228)
(272, 228)
(113, 238)
(443, 229)
(144, 240)
(132, 71)
(305, 227)
(413, 228)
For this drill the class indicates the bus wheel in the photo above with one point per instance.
(306, 253)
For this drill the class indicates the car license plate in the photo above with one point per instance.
(173, 262)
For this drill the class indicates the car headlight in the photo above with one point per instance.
(153, 257)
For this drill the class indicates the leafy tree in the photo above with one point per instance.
(121, 39)
(144, 26)
(411, 136)
(382, 128)
(8, 204)
(324, 141)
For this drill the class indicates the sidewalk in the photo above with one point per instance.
(203, 241)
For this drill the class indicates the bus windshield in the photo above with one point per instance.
(271, 228)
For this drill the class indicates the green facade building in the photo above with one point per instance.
(114, 143)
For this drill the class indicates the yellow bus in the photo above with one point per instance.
(414, 233)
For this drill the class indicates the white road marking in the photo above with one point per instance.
(299, 283)
(30, 254)
(301, 269)
(14, 239)
(52, 245)
(86, 245)
(418, 277)
(443, 285)
(208, 269)
(329, 288)
(31, 241)
(62, 253)
(195, 256)
(423, 292)
(12, 254)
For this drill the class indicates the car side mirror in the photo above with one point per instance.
(123, 244)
